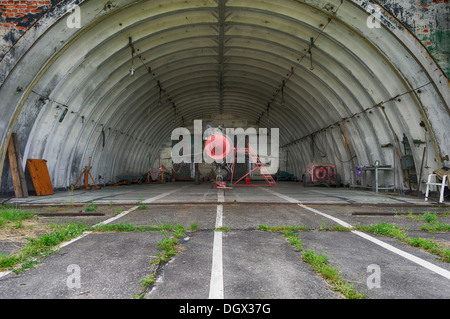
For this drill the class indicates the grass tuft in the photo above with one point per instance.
(41, 246)
(394, 231)
(91, 207)
(320, 264)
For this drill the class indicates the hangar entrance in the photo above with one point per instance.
(104, 84)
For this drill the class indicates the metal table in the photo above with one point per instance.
(377, 170)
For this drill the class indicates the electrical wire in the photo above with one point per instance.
(380, 104)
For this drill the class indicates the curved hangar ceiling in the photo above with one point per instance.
(340, 89)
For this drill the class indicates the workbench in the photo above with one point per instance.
(377, 170)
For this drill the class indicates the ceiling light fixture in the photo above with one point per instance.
(282, 93)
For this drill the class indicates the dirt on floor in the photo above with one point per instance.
(14, 234)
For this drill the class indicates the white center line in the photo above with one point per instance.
(286, 198)
(216, 290)
(438, 270)
(220, 195)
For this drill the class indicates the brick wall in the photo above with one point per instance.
(19, 14)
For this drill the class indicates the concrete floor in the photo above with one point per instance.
(187, 192)
(254, 264)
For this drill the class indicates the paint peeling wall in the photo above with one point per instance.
(16, 17)
(428, 20)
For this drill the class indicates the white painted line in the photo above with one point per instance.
(438, 270)
(221, 196)
(72, 241)
(340, 222)
(153, 199)
(219, 217)
(443, 272)
(148, 201)
(286, 198)
(123, 214)
(216, 290)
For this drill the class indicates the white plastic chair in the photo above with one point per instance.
(441, 185)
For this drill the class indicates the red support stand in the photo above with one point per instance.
(253, 158)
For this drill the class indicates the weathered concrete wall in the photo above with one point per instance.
(360, 75)
(16, 16)
(427, 19)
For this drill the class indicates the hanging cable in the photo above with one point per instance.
(310, 53)
(132, 70)
(160, 94)
(300, 60)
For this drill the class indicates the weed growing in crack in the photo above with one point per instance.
(282, 229)
(42, 246)
(141, 205)
(168, 245)
(318, 262)
(193, 227)
(394, 231)
(223, 229)
(91, 207)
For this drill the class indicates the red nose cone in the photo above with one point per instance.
(217, 147)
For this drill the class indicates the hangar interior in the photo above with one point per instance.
(107, 82)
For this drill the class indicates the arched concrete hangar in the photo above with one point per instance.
(346, 81)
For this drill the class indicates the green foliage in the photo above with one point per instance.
(431, 246)
(433, 225)
(223, 229)
(294, 240)
(430, 217)
(41, 246)
(9, 214)
(141, 205)
(90, 207)
(318, 262)
(283, 229)
(126, 227)
(147, 282)
(193, 227)
(394, 231)
(332, 275)
(168, 245)
(383, 229)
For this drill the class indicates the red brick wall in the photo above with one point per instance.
(16, 13)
